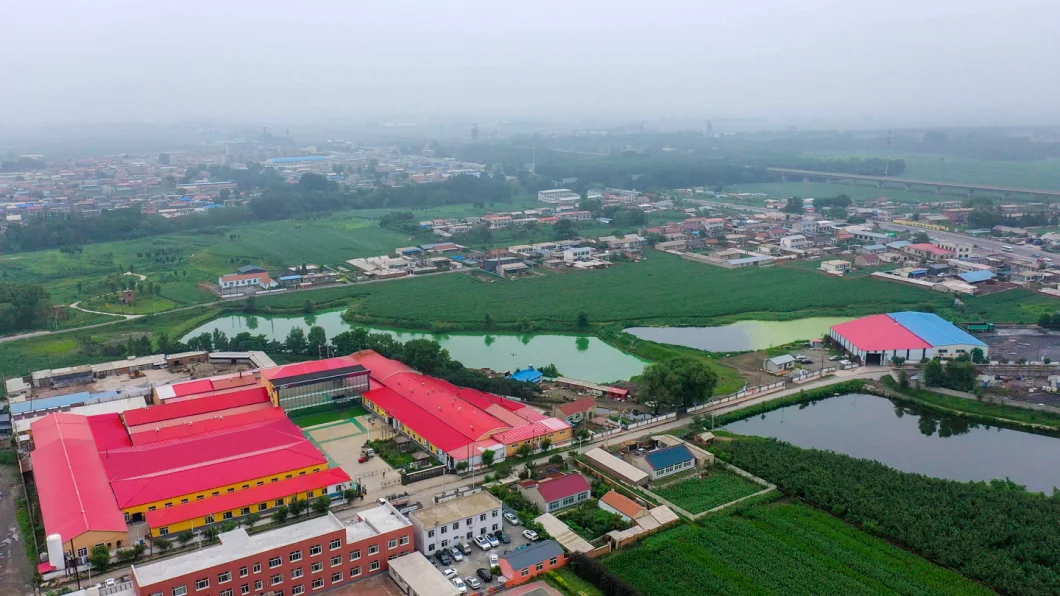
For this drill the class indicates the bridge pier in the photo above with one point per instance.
(783, 177)
(906, 187)
(938, 190)
(879, 184)
(806, 179)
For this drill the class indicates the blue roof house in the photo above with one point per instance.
(668, 461)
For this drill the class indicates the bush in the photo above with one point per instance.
(594, 572)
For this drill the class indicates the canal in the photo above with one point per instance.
(580, 357)
(913, 440)
(740, 336)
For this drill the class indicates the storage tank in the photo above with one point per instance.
(55, 551)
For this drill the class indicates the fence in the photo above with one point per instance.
(432, 472)
(650, 421)
(757, 390)
(813, 375)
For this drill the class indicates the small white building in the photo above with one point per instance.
(246, 281)
(452, 522)
(795, 242)
(778, 364)
(837, 266)
(558, 195)
(580, 253)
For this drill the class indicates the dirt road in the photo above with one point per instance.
(16, 571)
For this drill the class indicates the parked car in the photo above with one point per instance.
(457, 555)
(444, 558)
(494, 541)
(484, 574)
(483, 542)
(494, 560)
(505, 538)
(110, 582)
(835, 358)
(512, 518)
(459, 583)
(530, 535)
(449, 572)
(465, 548)
(472, 582)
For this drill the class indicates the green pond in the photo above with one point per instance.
(580, 357)
(741, 336)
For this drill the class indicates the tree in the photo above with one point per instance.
(921, 238)
(251, 519)
(280, 514)
(978, 357)
(99, 557)
(898, 360)
(583, 320)
(592, 205)
(960, 375)
(680, 381)
(903, 379)
(163, 159)
(224, 195)
(487, 320)
(546, 444)
(934, 376)
(322, 504)
(297, 506)
(210, 534)
(296, 342)
(523, 451)
(794, 205)
(564, 229)
(162, 545)
(307, 306)
(317, 341)
(487, 457)
(250, 305)
(556, 459)
(425, 356)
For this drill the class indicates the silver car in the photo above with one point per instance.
(456, 554)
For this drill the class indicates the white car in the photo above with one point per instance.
(494, 541)
(494, 561)
(449, 572)
(111, 582)
(530, 535)
(472, 582)
(456, 554)
(512, 519)
(459, 583)
(483, 542)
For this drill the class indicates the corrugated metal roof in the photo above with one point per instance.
(879, 332)
(203, 405)
(664, 458)
(71, 481)
(934, 329)
(976, 276)
(533, 554)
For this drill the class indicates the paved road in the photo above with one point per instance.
(123, 316)
(117, 319)
(986, 243)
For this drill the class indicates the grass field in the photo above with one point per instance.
(783, 549)
(333, 415)
(1042, 173)
(700, 494)
(780, 190)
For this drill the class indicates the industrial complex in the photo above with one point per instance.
(876, 340)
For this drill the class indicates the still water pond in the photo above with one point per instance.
(913, 440)
(586, 358)
(740, 336)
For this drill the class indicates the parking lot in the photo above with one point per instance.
(1029, 344)
(481, 559)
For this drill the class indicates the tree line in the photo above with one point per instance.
(424, 355)
(22, 306)
(996, 532)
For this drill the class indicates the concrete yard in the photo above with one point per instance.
(342, 441)
(1032, 344)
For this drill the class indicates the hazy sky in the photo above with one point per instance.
(959, 61)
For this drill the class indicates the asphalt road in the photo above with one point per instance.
(986, 243)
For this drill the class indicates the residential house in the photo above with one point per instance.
(835, 266)
(553, 494)
(621, 505)
(928, 251)
(867, 260)
(248, 281)
(575, 411)
(666, 462)
(525, 564)
(795, 242)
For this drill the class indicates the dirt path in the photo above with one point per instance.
(16, 571)
(77, 306)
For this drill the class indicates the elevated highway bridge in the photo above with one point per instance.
(911, 183)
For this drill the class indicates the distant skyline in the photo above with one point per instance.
(902, 63)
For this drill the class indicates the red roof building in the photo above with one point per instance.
(192, 410)
(554, 494)
(75, 499)
(879, 332)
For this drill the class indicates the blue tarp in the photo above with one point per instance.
(934, 329)
(529, 375)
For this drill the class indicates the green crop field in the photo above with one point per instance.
(700, 494)
(664, 289)
(783, 190)
(784, 549)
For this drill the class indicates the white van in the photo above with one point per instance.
(1006, 248)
